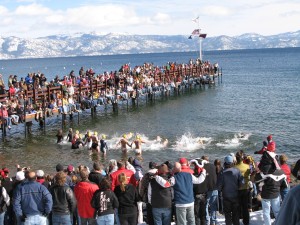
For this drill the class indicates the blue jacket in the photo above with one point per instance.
(183, 188)
(229, 182)
(32, 198)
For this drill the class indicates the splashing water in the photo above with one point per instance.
(235, 142)
(189, 143)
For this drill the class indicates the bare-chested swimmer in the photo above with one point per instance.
(138, 145)
(124, 143)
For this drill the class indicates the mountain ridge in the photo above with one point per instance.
(92, 44)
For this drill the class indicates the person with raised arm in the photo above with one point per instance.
(182, 184)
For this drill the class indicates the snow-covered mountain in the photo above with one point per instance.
(82, 44)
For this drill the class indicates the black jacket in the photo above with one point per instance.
(127, 200)
(95, 177)
(273, 183)
(64, 201)
(104, 202)
(161, 197)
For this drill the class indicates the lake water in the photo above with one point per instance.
(259, 96)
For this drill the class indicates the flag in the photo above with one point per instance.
(190, 37)
(196, 20)
(203, 35)
(196, 32)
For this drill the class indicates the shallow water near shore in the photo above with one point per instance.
(259, 96)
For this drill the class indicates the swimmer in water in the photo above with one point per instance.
(124, 143)
(95, 142)
(103, 144)
(77, 141)
(138, 145)
(88, 140)
(163, 143)
(200, 141)
(70, 135)
(59, 136)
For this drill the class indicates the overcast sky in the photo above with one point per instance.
(38, 18)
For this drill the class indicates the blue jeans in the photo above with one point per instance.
(88, 221)
(117, 217)
(185, 215)
(36, 220)
(266, 206)
(2, 218)
(212, 203)
(58, 219)
(161, 216)
(106, 220)
(284, 192)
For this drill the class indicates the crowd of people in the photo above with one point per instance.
(125, 192)
(123, 84)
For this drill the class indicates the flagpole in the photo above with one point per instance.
(200, 44)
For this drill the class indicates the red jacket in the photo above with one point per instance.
(84, 192)
(114, 177)
(271, 146)
(186, 169)
(287, 171)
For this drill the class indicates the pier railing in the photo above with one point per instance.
(42, 96)
(37, 95)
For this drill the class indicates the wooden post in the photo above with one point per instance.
(221, 76)
(79, 100)
(25, 124)
(62, 109)
(3, 125)
(92, 97)
(45, 113)
(137, 95)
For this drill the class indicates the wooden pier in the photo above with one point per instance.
(180, 78)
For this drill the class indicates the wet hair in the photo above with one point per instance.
(105, 184)
(123, 181)
(60, 178)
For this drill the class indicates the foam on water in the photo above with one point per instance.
(234, 142)
(189, 143)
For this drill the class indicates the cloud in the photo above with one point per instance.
(215, 10)
(3, 10)
(44, 17)
(32, 10)
(161, 18)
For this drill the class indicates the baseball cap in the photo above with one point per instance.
(70, 168)
(228, 159)
(40, 173)
(269, 137)
(183, 161)
(20, 176)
